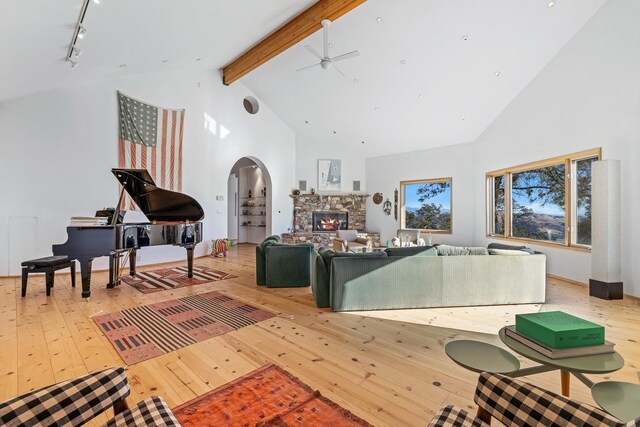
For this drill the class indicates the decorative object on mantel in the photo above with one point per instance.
(387, 207)
(313, 191)
(377, 198)
(329, 175)
(395, 204)
(296, 192)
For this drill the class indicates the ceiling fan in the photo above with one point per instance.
(325, 61)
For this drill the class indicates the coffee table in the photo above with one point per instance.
(576, 366)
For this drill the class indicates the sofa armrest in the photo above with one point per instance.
(288, 265)
(363, 240)
(69, 403)
(514, 402)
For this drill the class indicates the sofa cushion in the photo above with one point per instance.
(508, 252)
(446, 250)
(327, 255)
(510, 247)
(412, 251)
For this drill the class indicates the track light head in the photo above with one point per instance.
(81, 32)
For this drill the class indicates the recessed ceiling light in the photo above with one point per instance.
(462, 117)
(96, 1)
(378, 20)
(165, 61)
(330, 44)
(421, 96)
(497, 73)
(355, 80)
(376, 109)
(334, 132)
(122, 65)
(551, 3)
(81, 32)
(362, 142)
(198, 59)
(402, 61)
(306, 121)
(465, 37)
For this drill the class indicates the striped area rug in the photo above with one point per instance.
(171, 278)
(141, 333)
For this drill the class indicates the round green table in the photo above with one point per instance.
(620, 399)
(479, 356)
(576, 366)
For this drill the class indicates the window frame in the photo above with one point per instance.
(402, 216)
(570, 232)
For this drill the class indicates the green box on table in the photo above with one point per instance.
(558, 329)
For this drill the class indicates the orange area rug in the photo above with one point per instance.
(268, 396)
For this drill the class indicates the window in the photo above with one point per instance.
(547, 201)
(426, 205)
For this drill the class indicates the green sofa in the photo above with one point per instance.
(422, 279)
(283, 265)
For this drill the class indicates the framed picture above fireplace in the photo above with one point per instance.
(329, 175)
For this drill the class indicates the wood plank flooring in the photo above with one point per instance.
(387, 367)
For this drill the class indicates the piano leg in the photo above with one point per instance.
(114, 269)
(85, 273)
(189, 261)
(132, 262)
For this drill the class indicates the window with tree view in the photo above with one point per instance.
(426, 204)
(547, 201)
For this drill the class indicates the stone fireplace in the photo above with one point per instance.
(345, 212)
(329, 220)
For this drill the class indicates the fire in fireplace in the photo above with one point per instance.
(330, 220)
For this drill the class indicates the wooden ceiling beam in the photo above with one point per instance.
(300, 27)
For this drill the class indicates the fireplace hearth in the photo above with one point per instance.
(330, 220)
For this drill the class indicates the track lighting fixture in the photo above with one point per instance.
(74, 52)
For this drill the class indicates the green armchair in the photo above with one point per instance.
(283, 265)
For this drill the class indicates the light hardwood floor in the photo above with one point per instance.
(387, 367)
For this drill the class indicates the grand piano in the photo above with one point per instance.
(175, 220)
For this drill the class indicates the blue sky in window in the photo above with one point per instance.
(411, 197)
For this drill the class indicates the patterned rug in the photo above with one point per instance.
(171, 278)
(268, 396)
(144, 332)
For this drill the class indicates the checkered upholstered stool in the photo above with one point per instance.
(48, 266)
(74, 402)
(516, 403)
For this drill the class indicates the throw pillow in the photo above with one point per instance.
(509, 252)
(510, 247)
(412, 251)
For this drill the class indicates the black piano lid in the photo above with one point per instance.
(157, 203)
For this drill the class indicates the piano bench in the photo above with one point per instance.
(47, 265)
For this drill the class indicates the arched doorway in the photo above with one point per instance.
(249, 198)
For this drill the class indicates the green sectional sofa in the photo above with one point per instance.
(424, 278)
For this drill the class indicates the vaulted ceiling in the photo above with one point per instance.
(430, 73)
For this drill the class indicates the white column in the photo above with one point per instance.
(605, 229)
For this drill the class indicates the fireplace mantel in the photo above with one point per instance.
(295, 196)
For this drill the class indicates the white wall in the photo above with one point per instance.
(385, 173)
(308, 151)
(588, 96)
(57, 149)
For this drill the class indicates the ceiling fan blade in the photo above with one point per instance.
(308, 67)
(314, 52)
(345, 56)
(338, 70)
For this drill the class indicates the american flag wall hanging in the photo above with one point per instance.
(150, 138)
